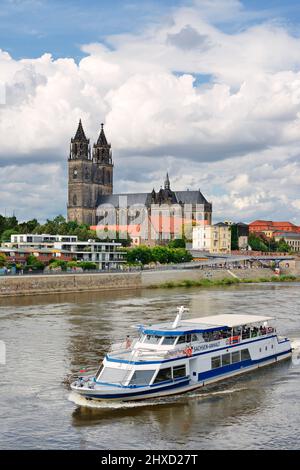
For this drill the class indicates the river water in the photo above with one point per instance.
(49, 337)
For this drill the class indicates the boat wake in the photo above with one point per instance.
(296, 351)
(103, 404)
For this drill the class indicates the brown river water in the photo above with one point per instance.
(50, 337)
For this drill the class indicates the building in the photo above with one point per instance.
(212, 238)
(107, 255)
(268, 227)
(239, 235)
(90, 191)
(40, 239)
(291, 238)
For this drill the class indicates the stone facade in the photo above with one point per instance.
(89, 176)
(90, 186)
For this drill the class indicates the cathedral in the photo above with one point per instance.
(90, 185)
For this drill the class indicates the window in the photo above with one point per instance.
(179, 371)
(112, 375)
(169, 340)
(141, 377)
(163, 374)
(75, 173)
(184, 339)
(196, 337)
(226, 359)
(152, 339)
(245, 354)
(215, 362)
(235, 357)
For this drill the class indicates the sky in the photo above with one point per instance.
(208, 90)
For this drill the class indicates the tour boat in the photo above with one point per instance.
(173, 358)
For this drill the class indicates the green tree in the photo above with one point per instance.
(3, 260)
(5, 236)
(283, 246)
(177, 243)
(234, 237)
(256, 243)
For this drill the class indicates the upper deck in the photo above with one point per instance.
(204, 324)
(163, 341)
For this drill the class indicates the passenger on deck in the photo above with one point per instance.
(128, 342)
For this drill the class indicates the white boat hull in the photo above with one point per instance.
(126, 394)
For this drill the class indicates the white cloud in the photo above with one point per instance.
(236, 137)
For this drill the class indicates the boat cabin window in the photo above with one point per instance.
(230, 358)
(168, 340)
(163, 374)
(245, 354)
(112, 375)
(184, 339)
(226, 359)
(141, 377)
(179, 371)
(215, 362)
(235, 356)
(152, 339)
(196, 337)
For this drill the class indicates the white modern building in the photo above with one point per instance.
(107, 255)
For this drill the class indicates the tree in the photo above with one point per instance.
(177, 243)
(3, 260)
(234, 237)
(283, 246)
(5, 237)
(257, 243)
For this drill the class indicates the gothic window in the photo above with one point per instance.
(86, 173)
(75, 173)
(74, 200)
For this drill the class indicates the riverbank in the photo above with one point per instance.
(16, 286)
(224, 282)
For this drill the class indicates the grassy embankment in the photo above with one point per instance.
(224, 282)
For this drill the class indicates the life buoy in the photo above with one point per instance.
(234, 339)
(188, 351)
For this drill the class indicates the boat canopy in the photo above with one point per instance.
(203, 324)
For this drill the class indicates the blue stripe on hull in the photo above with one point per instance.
(202, 376)
(145, 392)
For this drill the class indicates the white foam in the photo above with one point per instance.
(104, 404)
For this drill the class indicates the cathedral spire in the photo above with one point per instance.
(102, 139)
(80, 145)
(102, 149)
(80, 135)
(167, 182)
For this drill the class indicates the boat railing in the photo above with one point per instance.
(124, 346)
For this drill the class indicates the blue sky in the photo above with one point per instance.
(29, 28)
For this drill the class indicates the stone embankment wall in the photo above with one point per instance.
(46, 284)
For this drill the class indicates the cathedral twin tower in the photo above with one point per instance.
(90, 175)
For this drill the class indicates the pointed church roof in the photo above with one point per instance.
(167, 182)
(80, 135)
(102, 139)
